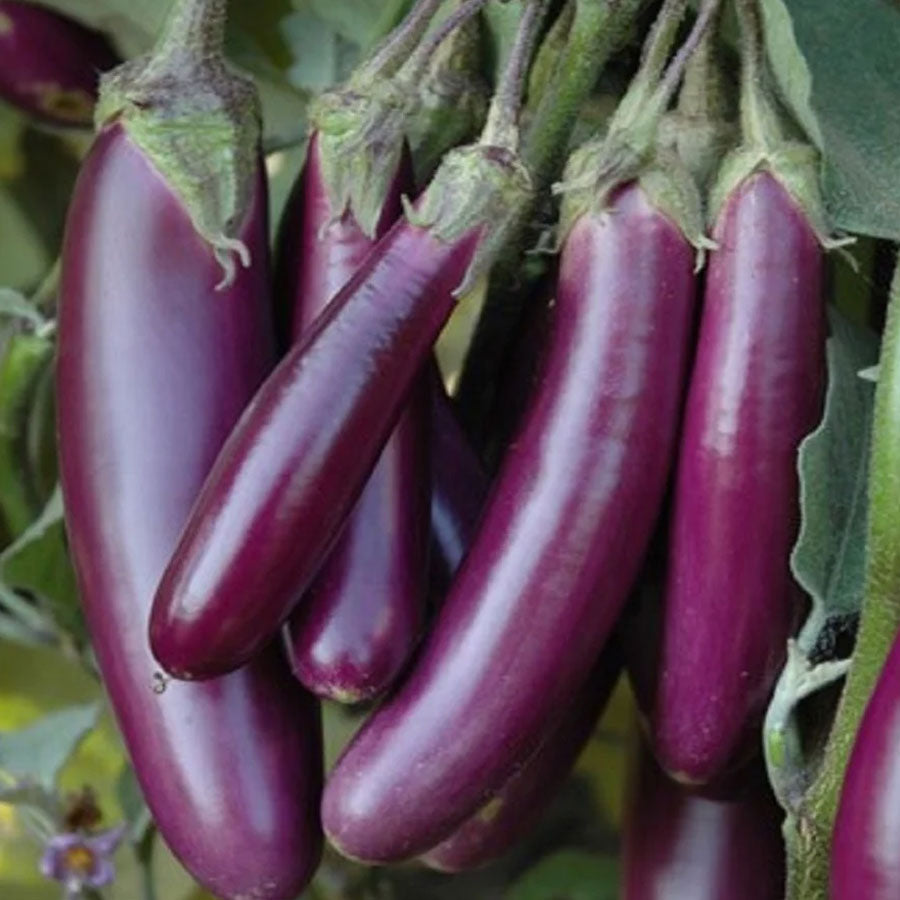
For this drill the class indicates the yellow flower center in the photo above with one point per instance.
(80, 859)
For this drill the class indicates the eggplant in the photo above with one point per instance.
(517, 806)
(359, 621)
(678, 845)
(297, 461)
(155, 364)
(756, 390)
(557, 548)
(50, 64)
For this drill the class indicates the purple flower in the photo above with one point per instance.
(81, 860)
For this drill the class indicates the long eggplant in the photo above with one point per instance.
(297, 461)
(155, 364)
(756, 390)
(557, 549)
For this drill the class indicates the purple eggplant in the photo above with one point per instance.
(459, 486)
(135, 445)
(756, 390)
(157, 358)
(516, 807)
(679, 846)
(865, 856)
(49, 64)
(557, 549)
(298, 459)
(359, 621)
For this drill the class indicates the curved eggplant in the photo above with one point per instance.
(297, 461)
(49, 64)
(513, 811)
(865, 852)
(154, 369)
(678, 845)
(358, 623)
(756, 391)
(558, 547)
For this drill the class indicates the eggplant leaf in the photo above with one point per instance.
(839, 71)
(829, 557)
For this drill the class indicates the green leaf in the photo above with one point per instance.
(39, 751)
(829, 558)
(838, 68)
(568, 875)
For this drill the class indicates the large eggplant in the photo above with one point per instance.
(155, 365)
(557, 549)
(756, 390)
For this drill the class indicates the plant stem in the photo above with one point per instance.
(502, 126)
(759, 120)
(418, 62)
(398, 45)
(809, 847)
(195, 28)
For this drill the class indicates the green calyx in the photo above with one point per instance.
(199, 124)
(596, 169)
(361, 134)
(796, 166)
(478, 188)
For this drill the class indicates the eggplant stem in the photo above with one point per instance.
(759, 120)
(706, 17)
(397, 46)
(417, 64)
(194, 28)
(502, 126)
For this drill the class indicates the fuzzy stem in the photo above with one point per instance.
(759, 120)
(398, 45)
(194, 27)
(702, 96)
(417, 64)
(502, 126)
(706, 17)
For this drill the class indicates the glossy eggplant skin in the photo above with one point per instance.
(865, 853)
(49, 64)
(295, 464)
(678, 845)
(558, 546)
(355, 628)
(756, 390)
(517, 806)
(459, 487)
(154, 368)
